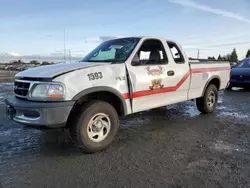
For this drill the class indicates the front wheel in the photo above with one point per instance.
(95, 127)
(207, 103)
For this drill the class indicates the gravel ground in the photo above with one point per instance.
(5, 90)
(165, 147)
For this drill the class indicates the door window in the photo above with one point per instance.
(151, 52)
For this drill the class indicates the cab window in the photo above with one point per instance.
(176, 53)
(151, 52)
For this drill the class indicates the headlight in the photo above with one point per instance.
(49, 91)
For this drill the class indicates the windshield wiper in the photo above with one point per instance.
(112, 61)
(107, 60)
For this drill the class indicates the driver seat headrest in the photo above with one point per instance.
(155, 56)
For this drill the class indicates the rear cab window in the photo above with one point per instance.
(176, 52)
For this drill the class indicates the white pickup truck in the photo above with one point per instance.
(119, 77)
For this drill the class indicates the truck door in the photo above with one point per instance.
(156, 78)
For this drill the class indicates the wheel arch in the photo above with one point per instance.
(213, 80)
(108, 91)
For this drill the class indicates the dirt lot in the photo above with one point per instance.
(166, 147)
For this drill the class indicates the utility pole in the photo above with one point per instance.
(198, 53)
(64, 45)
(69, 55)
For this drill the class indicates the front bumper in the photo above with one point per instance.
(240, 83)
(48, 114)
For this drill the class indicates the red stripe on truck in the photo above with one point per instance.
(126, 95)
(214, 69)
(177, 86)
(163, 90)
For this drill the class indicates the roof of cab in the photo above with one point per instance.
(145, 37)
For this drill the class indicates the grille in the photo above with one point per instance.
(21, 88)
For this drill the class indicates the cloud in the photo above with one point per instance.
(205, 8)
(10, 54)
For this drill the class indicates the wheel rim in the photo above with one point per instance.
(211, 99)
(98, 127)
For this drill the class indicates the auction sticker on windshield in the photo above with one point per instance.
(116, 46)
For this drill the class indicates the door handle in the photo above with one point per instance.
(170, 73)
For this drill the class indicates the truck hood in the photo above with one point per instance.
(50, 71)
(240, 71)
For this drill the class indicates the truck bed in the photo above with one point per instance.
(201, 72)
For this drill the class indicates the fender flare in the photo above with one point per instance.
(99, 89)
(208, 82)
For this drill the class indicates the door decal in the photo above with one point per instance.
(156, 84)
(155, 72)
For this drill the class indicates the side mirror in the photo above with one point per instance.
(135, 63)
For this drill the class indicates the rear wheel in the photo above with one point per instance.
(95, 127)
(207, 103)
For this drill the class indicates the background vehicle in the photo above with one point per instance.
(233, 64)
(240, 75)
(118, 78)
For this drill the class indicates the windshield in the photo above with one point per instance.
(244, 64)
(115, 51)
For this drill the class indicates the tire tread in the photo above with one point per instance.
(75, 129)
(201, 102)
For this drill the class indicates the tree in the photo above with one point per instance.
(16, 62)
(248, 53)
(34, 62)
(234, 56)
(211, 58)
(19, 62)
(219, 57)
(45, 63)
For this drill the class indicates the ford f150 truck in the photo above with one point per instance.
(120, 77)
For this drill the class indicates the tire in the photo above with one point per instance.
(87, 131)
(203, 104)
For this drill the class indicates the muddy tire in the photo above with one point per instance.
(207, 103)
(95, 126)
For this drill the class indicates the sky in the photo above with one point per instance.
(35, 29)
